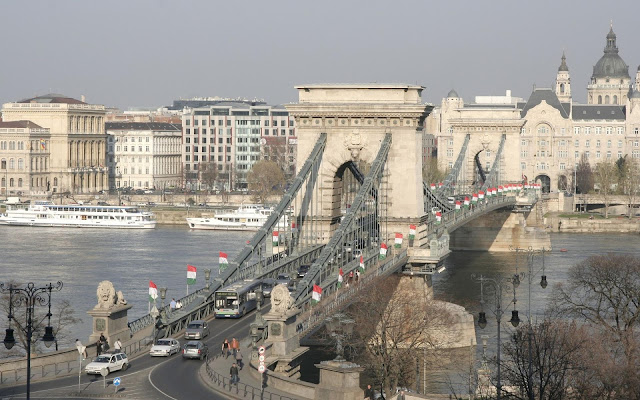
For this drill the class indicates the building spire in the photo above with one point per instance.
(611, 41)
(563, 64)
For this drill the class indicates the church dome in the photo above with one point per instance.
(611, 65)
(452, 94)
(635, 95)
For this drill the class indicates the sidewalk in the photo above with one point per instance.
(215, 374)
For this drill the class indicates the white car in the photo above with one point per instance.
(110, 361)
(165, 347)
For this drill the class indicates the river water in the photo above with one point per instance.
(81, 258)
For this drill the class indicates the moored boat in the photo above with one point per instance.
(45, 213)
(245, 218)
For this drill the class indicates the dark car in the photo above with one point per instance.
(267, 287)
(302, 271)
(195, 349)
(283, 279)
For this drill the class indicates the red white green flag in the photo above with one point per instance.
(383, 250)
(466, 201)
(294, 227)
(500, 189)
(440, 184)
(438, 217)
(474, 198)
(412, 232)
(153, 292)
(316, 295)
(481, 195)
(458, 205)
(340, 278)
(398, 242)
(275, 238)
(191, 275)
(223, 261)
(361, 263)
(433, 186)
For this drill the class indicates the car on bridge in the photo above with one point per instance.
(165, 347)
(283, 279)
(267, 286)
(303, 269)
(110, 361)
(195, 349)
(197, 330)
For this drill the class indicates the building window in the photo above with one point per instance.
(576, 130)
(449, 152)
(562, 166)
(597, 143)
(620, 130)
(543, 129)
(587, 130)
(587, 143)
(598, 130)
(576, 154)
(619, 143)
(576, 143)
(609, 130)
(635, 131)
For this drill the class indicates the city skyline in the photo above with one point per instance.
(150, 53)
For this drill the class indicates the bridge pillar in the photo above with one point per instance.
(498, 231)
(339, 381)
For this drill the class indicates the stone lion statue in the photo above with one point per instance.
(106, 295)
(281, 299)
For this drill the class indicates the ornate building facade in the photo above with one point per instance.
(547, 134)
(77, 142)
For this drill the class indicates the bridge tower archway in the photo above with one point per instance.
(563, 183)
(545, 182)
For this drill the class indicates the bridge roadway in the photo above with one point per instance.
(148, 378)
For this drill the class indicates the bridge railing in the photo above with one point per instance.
(336, 299)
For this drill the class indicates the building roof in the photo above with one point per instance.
(598, 111)
(611, 65)
(142, 126)
(563, 65)
(52, 98)
(19, 124)
(548, 95)
(453, 94)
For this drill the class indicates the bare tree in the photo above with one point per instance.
(629, 181)
(393, 324)
(431, 173)
(264, 179)
(209, 174)
(583, 177)
(606, 175)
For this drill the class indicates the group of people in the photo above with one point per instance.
(102, 345)
(175, 305)
(350, 278)
(233, 348)
(369, 394)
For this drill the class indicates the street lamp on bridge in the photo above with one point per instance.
(29, 296)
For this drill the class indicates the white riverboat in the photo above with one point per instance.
(45, 213)
(245, 218)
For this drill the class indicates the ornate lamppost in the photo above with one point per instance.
(499, 285)
(207, 276)
(530, 274)
(29, 296)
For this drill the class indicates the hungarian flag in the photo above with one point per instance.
(433, 186)
(223, 261)
(440, 184)
(398, 242)
(438, 217)
(500, 189)
(466, 201)
(361, 263)
(316, 295)
(383, 250)
(191, 275)
(481, 195)
(474, 198)
(153, 291)
(458, 205)
(412, 232)
(294, 227)
(275, 238)
(340, 278)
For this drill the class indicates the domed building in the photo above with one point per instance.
(610, 81)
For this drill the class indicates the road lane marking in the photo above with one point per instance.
(155, 387)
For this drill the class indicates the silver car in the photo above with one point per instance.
(195, 349)
(197, 330)
(165, 347)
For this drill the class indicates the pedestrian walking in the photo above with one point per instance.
(178, 305)
(357, 276)
(234, 374)
(81, 349)
(368, 393)
(401, 396)
(98, 347)
(239, 359)
(350, 277)
(117, 345)
(172, 304)
(235, 346)
(225, 348)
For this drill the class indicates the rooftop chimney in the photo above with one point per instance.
(82, 98)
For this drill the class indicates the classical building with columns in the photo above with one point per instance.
(144, 155)
(24, 158)
(548, 133)
(77, 143)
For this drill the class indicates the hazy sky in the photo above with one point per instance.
(147, 53)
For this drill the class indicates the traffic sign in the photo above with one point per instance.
(261, 358)
(261, 369)
(104, 372)
(116, 381)
(261, 350)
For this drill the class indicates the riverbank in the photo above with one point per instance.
(590, 223)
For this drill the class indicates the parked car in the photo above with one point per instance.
(195, 349)
(110, 361)
(165, 347)
(197, 330)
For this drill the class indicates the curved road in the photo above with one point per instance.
(152, 378)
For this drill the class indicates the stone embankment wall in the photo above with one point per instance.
(555, 223)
